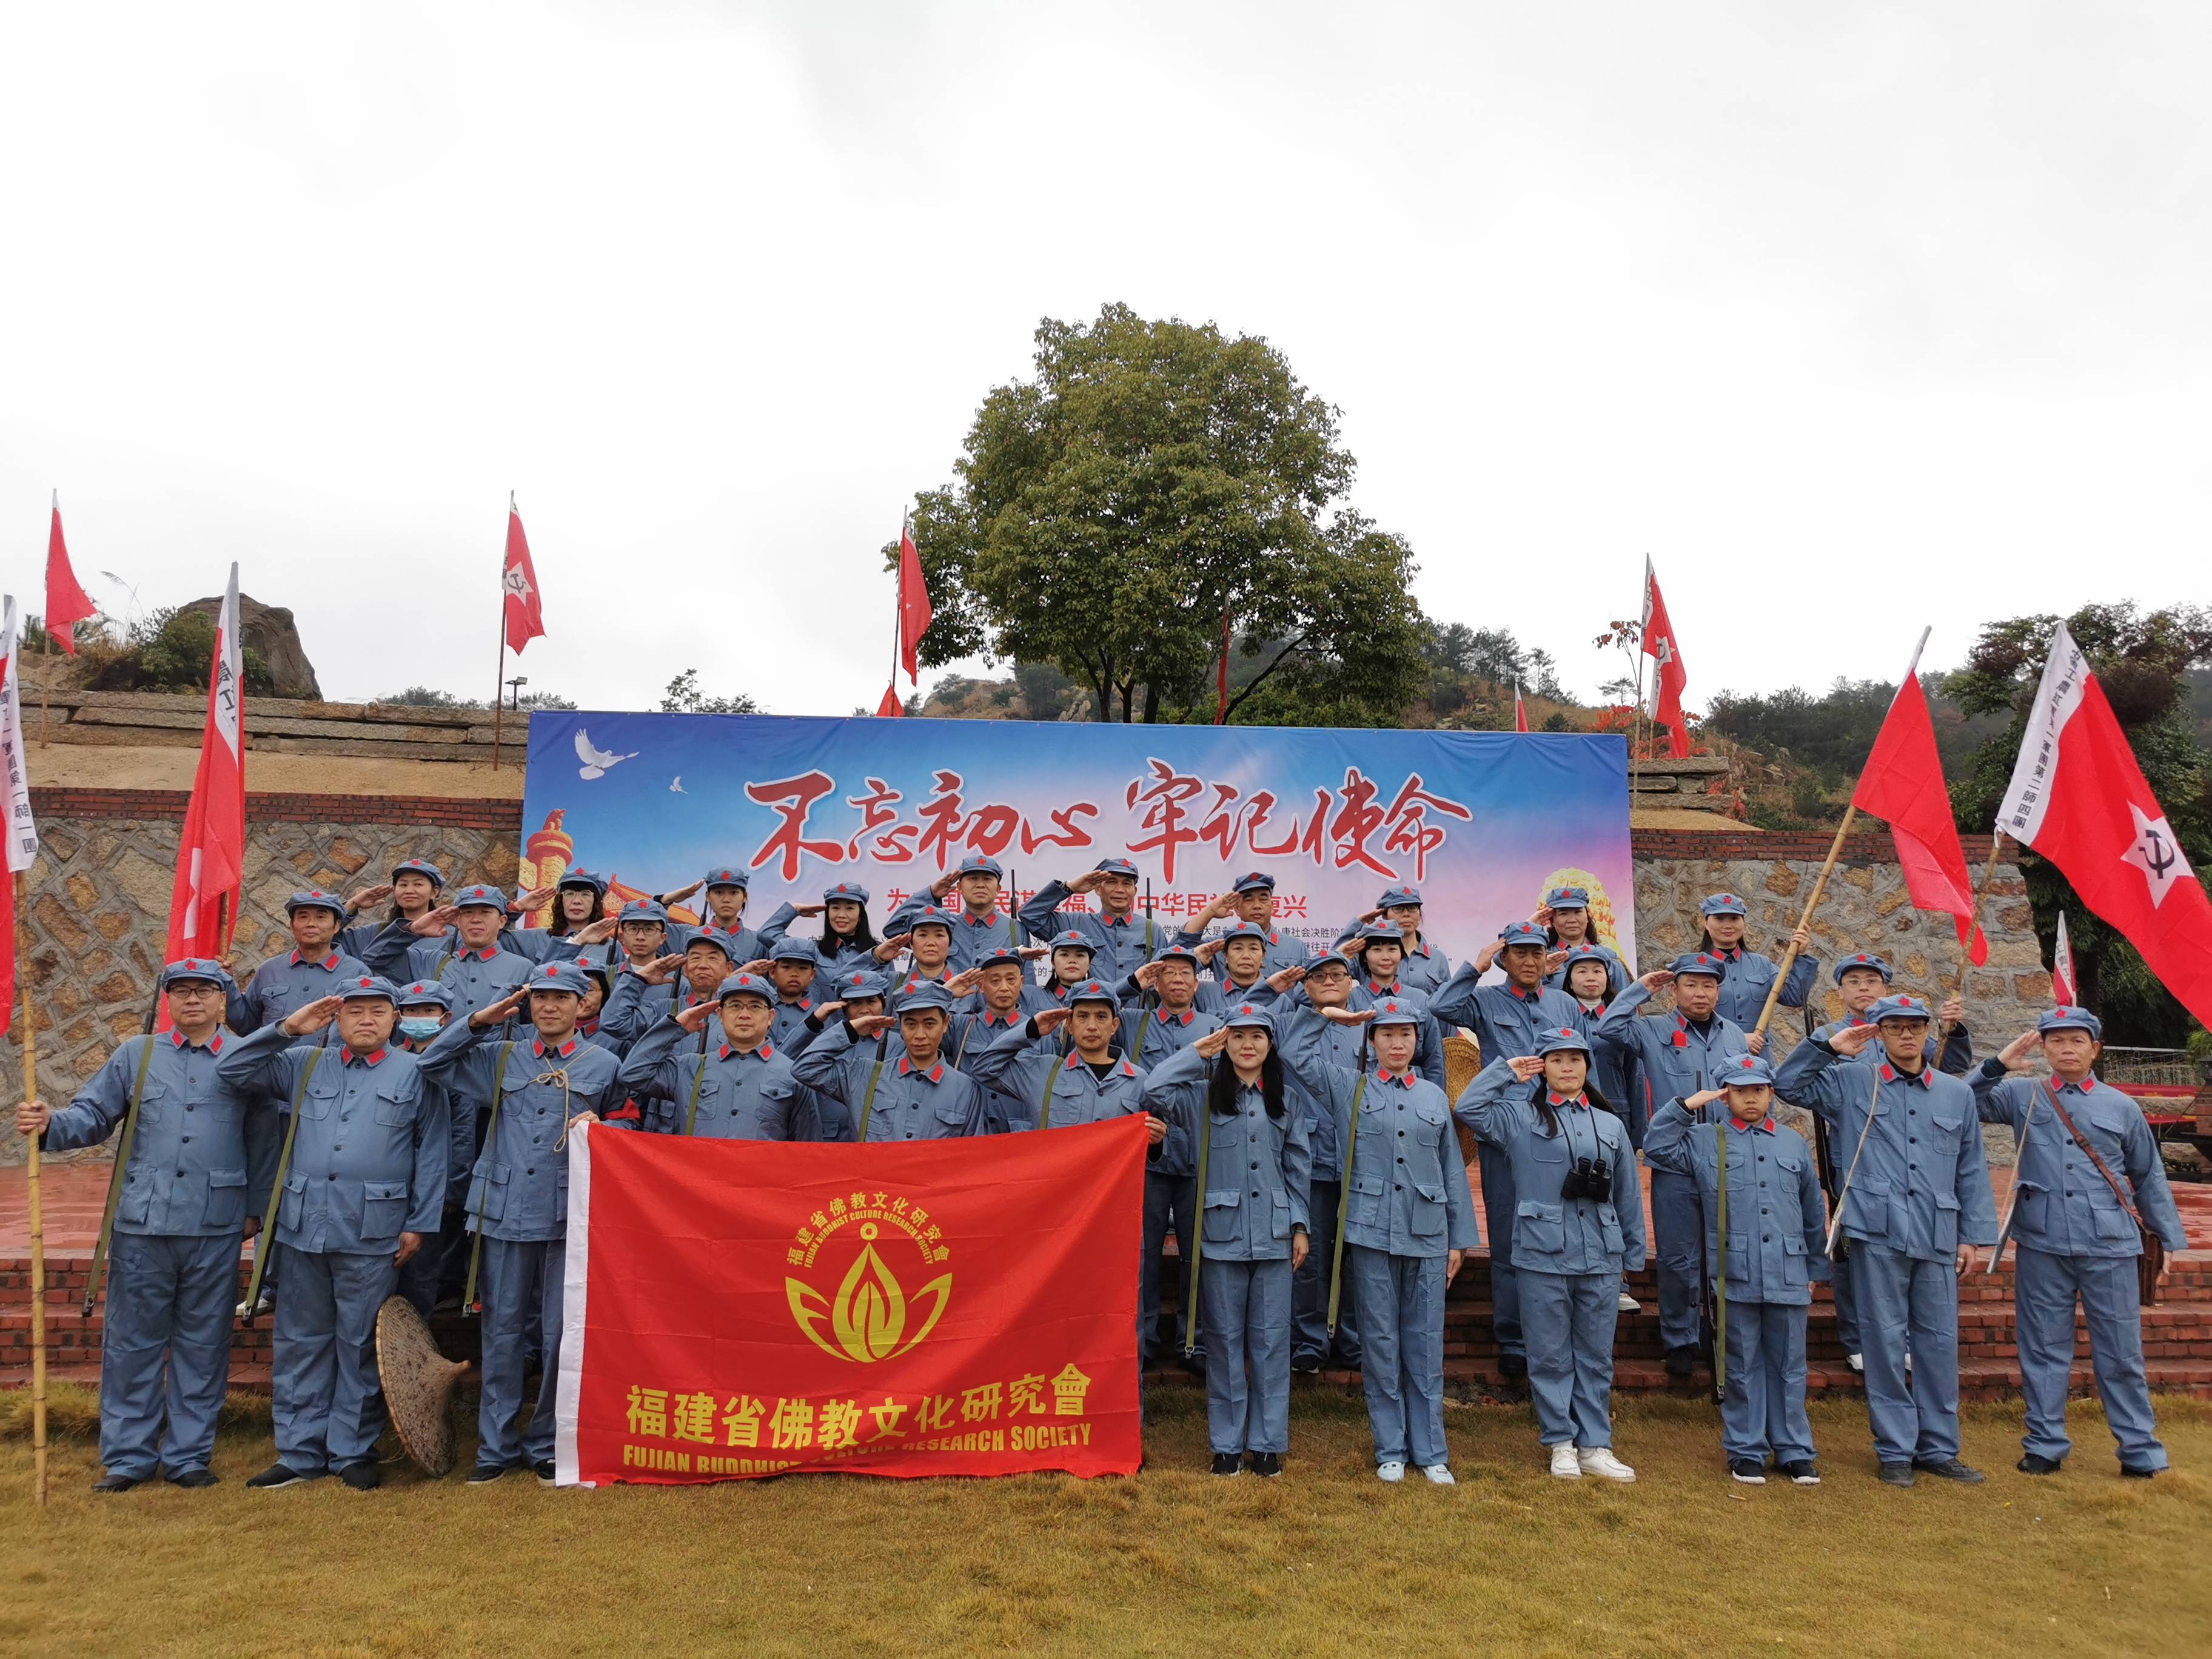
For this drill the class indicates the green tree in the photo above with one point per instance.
(683, 696)
(1153, 478)
(171, 650)
(2144, 662)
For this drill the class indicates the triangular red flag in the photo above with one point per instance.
(2079, 797)
(517, 580)
(1659, 642)
(1903, 783)
(914, 614)
(67, 604)
(890, 706)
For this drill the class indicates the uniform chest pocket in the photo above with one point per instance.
(383, 1208)
(1424, 1211)
(397, 1104)
(154, 1103)
(321, 1097)
(1947, 1131)
(1224, 1219)
(1548, 1149)
(951, 1117)
(226, 1203)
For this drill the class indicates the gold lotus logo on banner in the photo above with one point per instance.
(869, 1316)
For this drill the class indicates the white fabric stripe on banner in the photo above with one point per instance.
(2035, 773)
(575, 1272)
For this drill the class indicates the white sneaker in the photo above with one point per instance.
(1439, 1474)
(1565, 1464)
(1629, 1304)
(1857, 1362)
(1394, 1473)
(1603, 1463)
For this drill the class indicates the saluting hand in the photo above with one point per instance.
(808, 909)
(1657, 980)
(1087, 883)
(1703, 1098)
(361, 896)
(1208, 949)
(1282, 979)
(657, 971)
(1368, 916)
(694, 1020)
(1540, 916)
(1554, 960)
(1212, 1044)
(1034, 952)
(1050, 1019)
(509, 1006)
(757, 965)
(891, 947)
(2014, 1055)
(1346, 1015)
(433, 922)
(868, 1026)
(683, 893)
(944, 885)
(596, 932)
(1220, 908)
(1146, 976)
(963, 981)
(31, 1117)
(1854, 1040)
(1487, 955)
(1526, 1066)
(313, 1017)
(532, 899)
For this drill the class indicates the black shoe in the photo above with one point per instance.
(1803, 1473)
(1751, 1471)
(1228, 1463)
(2034, 1464)
(1193, 1362)
(1513, 1366)
(1895, 1475)
(545, 1473)
(2134, 1473)
(1681, 1362)
(1306, 1364)
(193, 1480)
(1949, 1468)
(364, 1476)
(115, 1483)
(280, 1474)
(484, 1473)
(1268, 1465)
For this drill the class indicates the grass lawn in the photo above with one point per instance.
(1325, 1560)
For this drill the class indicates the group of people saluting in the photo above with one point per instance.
(401, 1090)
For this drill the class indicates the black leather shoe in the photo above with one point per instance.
(364, 1476)
(1306, 1364)
(2134, 1473)
(1513, 1365)
(1268, 1465)
(1193, 1362)
(484, 1473)
(1681, 1362)
(1895, 1475)
(279, 1474)
(115, 1483)
(193, 1480)
(1948, 1469)
(1228, 1463)
(545, 1473)
(2033, 1464)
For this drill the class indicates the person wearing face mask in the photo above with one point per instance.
(1422, 968)
(1122, 939)
(1227, 1086)
(729, 1084)
(1764, 1239)
(1676, 1055)
(1566, 918)
(1407, 1222)
(1747, 976)
(1916, 1202)
(363, 1180)
(423, 1008)
(845, 930)
(727, 888)
(1573, 1239)
(196, 1178)
(2090, 1189)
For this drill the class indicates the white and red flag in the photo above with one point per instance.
(22, 831)
(915, 612)
(517, 580)
(2064, 991)
(1902, 783)
(1660, 645)
(2079, 799)
(1520, 710)
(211, 854)
(67, 604)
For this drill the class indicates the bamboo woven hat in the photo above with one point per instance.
(419, 1385)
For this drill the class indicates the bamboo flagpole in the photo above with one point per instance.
(1821, 882)
(37, 1211)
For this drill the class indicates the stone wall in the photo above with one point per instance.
(101, 895)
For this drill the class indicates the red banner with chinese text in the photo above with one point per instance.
(736, 1308)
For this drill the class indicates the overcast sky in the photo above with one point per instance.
(1853, 318)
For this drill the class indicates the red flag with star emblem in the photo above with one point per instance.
(517, 580)
(1660, 644)
(2079, 797)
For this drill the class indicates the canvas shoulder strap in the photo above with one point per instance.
(868, 1099)
(261, 1251)
(2119, 1189)
(1343, 1196)
(491, 1132)
(115, 1178)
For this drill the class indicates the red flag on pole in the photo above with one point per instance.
(1659, 642)
(1520, 709)
(914, 614)
(211, 853)
(67, 604)
(22, 832)
(1903, 783)
(526, 619)
(2079, 799)
(2063, 990)
(890, 706)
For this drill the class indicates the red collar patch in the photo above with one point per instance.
(327, 964)
(935, 1073)
(352, 1058)
(538, 1046)
(213, 1045)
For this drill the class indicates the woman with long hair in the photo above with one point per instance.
(1747, 975)
(845, 930)
(1565, 919)
(1228, 1086)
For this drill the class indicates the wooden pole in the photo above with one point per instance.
(37, 1214)
(498, 689)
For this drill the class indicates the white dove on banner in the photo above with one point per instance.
(676, 786)
(596, 761)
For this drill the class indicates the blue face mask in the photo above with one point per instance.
(418, 1031)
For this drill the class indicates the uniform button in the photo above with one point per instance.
(1766, 1238)
(1402, 1160)
(339, 1147)
(532, 1170)
(1398, 1189)
(1255, 1166)
(328, 1178)
(188, 1109)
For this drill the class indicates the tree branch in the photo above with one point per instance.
(1261, 678)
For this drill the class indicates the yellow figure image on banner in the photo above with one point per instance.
(869, 1317)
(1601, 907)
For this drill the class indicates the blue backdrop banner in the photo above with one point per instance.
(1481, 822)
